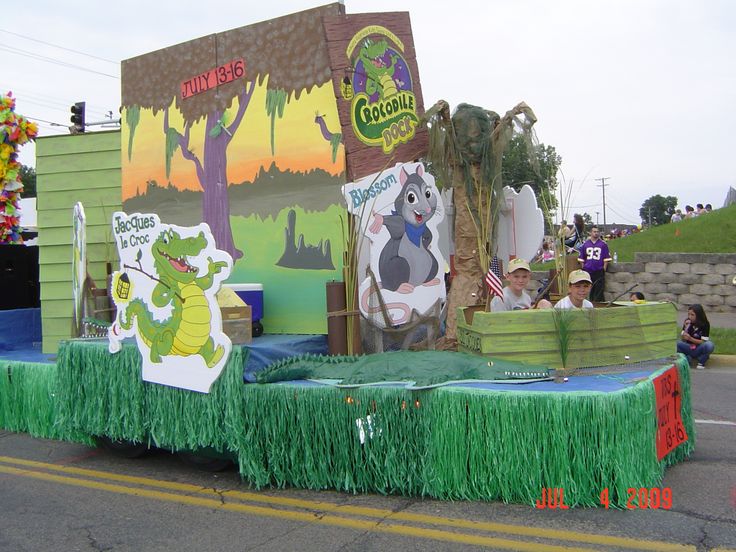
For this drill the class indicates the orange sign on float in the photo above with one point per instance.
(213, 78)
(670, 429)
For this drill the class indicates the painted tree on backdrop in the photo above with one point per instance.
(287, 52)
(658, 209)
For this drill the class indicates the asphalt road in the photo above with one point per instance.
(57, 496)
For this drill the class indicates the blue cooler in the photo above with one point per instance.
(252, 294)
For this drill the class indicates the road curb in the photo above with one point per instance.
(721, 361)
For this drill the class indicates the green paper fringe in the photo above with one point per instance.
(459, 443)
(28, 402)
(446, 443)
(104, 394)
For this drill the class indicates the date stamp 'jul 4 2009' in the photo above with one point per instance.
(553, 498)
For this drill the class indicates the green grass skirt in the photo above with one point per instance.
(447, 443)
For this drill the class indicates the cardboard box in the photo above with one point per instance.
(251, 294)
(237, 323)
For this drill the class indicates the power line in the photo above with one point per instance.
(52, 102)
(53, 60)
(614, 201)
(625, 219)
(35, 119)
(582, 206)
(53, 107)
(20, 93)
(60, 47)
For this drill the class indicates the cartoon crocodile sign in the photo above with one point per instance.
(165, 297)
(383, 107)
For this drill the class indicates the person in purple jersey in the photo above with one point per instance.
(595, 257)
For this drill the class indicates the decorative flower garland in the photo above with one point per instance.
(15, 130)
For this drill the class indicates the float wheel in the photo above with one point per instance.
(122, 447)
(204, 463)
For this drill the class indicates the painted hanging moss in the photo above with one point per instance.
(15, 130)
(217, 79)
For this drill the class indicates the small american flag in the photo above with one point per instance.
(493, 278)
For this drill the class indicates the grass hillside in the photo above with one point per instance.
(712, 233)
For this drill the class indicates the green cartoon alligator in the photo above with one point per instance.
(187, 331)
(379, 75)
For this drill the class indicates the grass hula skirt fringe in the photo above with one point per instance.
(455, 443)
(447, 443)
(28, 402)
(104, 394)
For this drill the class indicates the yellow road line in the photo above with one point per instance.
(418, 532)
(555, 534)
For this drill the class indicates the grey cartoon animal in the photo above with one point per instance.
(406, 261)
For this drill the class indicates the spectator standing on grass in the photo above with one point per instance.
(694, 339)
(690, 212)
(594, 256)
(676, 216)
(708, 208)
(699, 209)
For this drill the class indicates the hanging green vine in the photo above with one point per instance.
(132, 118)
(275, 103)
(172, 143)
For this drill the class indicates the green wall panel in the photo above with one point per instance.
(82, 181)
(96, 234)
(86, 168)
(80, 143)
(59, 254)
(60, 217)
(82, 163)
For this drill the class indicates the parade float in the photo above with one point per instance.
(284, 155)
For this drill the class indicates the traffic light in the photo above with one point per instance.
(77, 117)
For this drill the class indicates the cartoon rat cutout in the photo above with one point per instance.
(406, 261)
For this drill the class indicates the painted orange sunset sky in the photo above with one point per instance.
(299, 144)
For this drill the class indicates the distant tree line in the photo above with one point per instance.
(658, 209)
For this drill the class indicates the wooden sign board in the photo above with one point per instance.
(379, 96)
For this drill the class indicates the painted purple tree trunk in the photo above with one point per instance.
(212, 170)
(215, 202)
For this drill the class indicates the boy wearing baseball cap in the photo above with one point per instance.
(515, 296)
(578, 288)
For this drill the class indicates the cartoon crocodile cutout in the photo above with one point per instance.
(187, 331)
(379, 68)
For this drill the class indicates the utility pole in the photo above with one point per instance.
(603, 187)
(596, 217)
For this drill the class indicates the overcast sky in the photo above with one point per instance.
(641, 92)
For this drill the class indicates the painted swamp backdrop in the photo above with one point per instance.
(240, 130)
